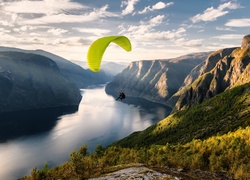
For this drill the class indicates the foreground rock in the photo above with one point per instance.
(141, 172)
(135, 173)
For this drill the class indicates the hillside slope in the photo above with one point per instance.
(221, 114)
(30, 81)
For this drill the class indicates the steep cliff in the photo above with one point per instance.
(30, 81)
(155, 80)
(223, 69)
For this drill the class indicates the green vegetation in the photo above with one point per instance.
(218, 115)
(228, 153)
(213, 136)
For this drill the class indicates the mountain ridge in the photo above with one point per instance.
(75, 73)
(155, 80)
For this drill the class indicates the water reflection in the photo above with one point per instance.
(99, 120)
(30, 122)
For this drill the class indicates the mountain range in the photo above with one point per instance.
(187, 80)
(155, 80)
(81, 77)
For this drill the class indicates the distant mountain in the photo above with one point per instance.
(155, 80)
(31, 81)
(75, 73)
(110, 68)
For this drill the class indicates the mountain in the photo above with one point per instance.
(31, 81)
(110, 68)
(155, 80)
(75, 73)
(223, 69)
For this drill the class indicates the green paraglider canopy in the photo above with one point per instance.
(98, 47)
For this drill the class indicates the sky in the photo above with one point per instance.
(157, 29)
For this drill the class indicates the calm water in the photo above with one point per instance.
(26, 143)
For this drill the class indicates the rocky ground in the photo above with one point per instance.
(145, 173)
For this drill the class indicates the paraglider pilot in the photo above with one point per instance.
(121, 96)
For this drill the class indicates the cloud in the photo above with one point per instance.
(49, 11)
(57, 31)
(129, 6)
(3, 31)
(157, 6)
(224, 29)
(72, 18)
(229, 37)
(211, 14)
(145, 32)
(6, 23)
(95, 31)
(144, 26)
(156, 20)
(245, 22)
(189, 43)
(41, 7)
(72, 41)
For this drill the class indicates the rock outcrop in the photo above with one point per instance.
(30, 81)
(245, 42)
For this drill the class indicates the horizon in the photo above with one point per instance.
(156, 29)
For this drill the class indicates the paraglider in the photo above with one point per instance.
(121, 96)
(98, 47)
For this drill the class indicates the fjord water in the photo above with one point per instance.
(48, 136)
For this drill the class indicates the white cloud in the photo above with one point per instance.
(144, 26)
(95, 31)
(156, 20)
(245, 22)
(145, 32)
(3, 31)
(129, 6)
(72, 18)
(229, 36)
(72, 41)
(224, 29)
(57, 31)
(189, 43)
(41, 7)
(157, 6)
(211, 14)
(6, 23)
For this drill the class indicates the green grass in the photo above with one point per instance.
(218, 115)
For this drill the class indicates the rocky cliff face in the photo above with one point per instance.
(155, 80)
(30, 81)
(223, 69)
